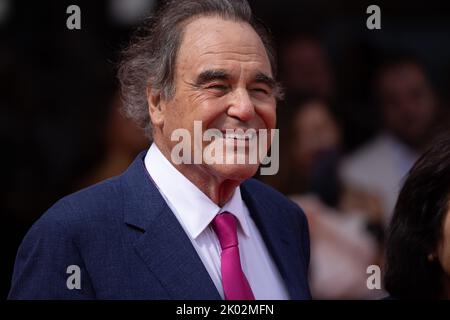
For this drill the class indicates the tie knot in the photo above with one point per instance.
(225, 227)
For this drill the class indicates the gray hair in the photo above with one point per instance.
(149, 60)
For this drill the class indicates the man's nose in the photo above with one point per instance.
(241, 106)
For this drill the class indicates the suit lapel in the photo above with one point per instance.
(168, 253)
(279, 240)
(164, 246)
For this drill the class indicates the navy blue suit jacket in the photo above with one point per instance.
(129, 245)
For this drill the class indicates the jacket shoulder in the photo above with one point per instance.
(58, 239)
(95, 203)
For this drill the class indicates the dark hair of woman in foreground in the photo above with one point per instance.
(418, 244)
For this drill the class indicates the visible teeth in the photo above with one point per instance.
(236, 136)
(239, 136)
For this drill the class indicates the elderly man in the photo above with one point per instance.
(171, 229)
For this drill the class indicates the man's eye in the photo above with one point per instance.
(260, 90)
(220, 87)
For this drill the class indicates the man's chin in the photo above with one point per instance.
(238, 172)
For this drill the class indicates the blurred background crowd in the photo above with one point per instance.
(360, 107)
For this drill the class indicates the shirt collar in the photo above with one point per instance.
(192, 206)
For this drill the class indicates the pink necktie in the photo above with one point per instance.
(234, 282)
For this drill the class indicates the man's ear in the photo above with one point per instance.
(156, 107)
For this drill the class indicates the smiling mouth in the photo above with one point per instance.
(235, 136)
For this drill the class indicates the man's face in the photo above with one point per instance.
(306, 68)
(223, 78)
(316, 134)
(407, 102)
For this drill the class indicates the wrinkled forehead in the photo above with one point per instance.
(212, 42)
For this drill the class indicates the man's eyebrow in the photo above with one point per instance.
(267, 80)
(210, 75)
(219, 74)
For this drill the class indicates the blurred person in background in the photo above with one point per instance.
(122, 140)
(305, 68)
(409, 113)
(310, 139)
(418, 246)
(342, 246)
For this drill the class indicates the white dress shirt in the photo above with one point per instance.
(195, 212)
